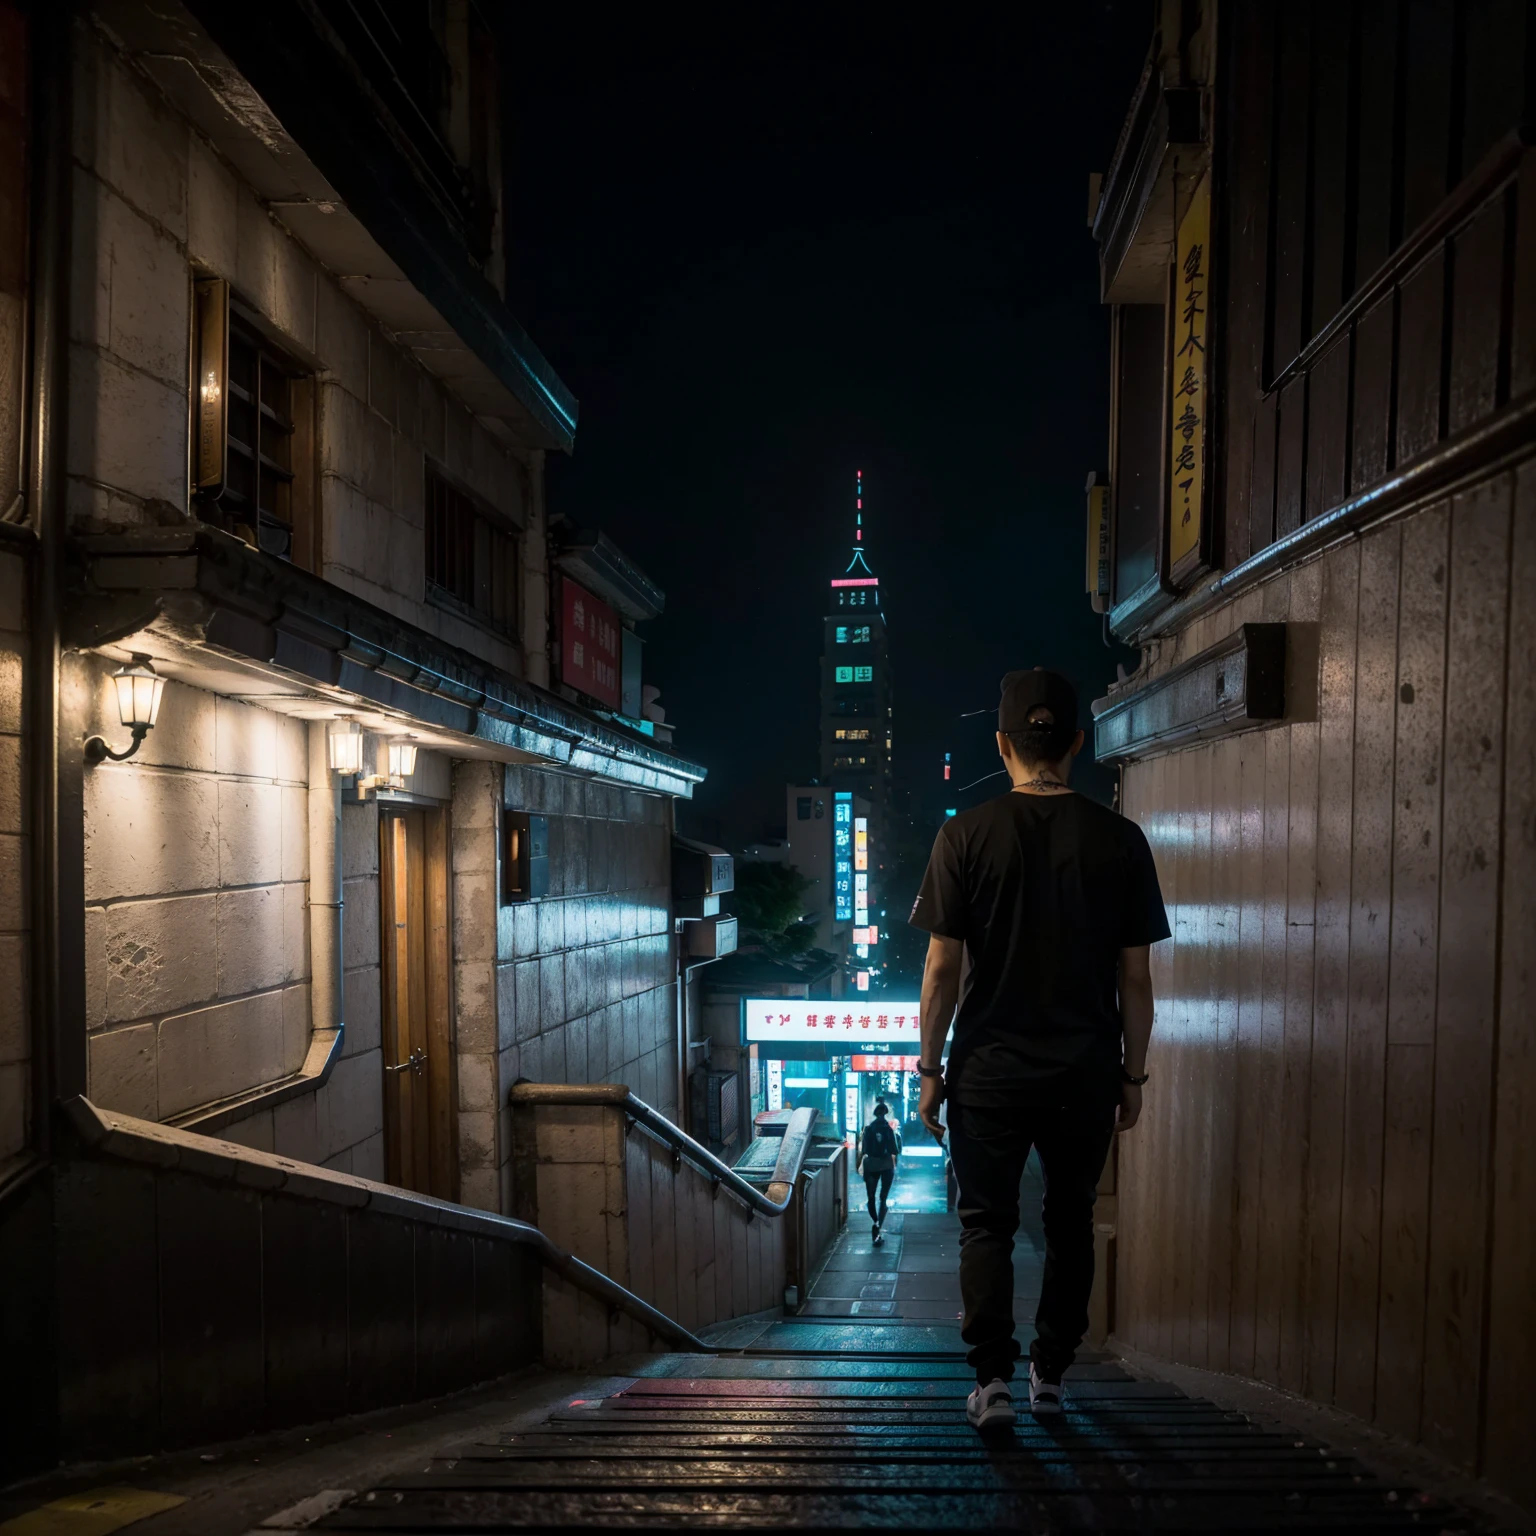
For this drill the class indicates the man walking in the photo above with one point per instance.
(881, 1146)
(1053, 899)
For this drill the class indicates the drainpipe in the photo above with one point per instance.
(324, 890)
(57, 902)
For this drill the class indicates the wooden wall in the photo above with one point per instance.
(1334, 1186)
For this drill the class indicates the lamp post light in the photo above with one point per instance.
(139, 688)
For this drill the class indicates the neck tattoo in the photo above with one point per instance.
(1041, 783)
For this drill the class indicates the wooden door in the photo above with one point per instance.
(419, 1066)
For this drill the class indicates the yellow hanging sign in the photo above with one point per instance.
(1190, 320)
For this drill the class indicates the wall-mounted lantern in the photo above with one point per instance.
(139, 688)
(344, 746)
(402, 759)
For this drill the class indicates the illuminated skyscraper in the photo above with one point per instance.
(856, 718)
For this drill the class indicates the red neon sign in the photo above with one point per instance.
(857, 581)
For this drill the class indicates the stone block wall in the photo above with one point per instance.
(340, 1124)
(15, 922)
(196, 930)
(579, 987)
(154, 206)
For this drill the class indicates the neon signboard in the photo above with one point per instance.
(842, 854)
(864, 1023)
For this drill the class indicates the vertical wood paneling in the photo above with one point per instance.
(1249, 105)
(1330, 1017)
(1522, 324)
(1510, 1398)
(1375, 178)
(1371, 425)
(1430, 43)
(1275, 1171)
(1226, 891)
(1477, 295)
(1496, 51)
(1250, 1006)
(1370, 906)
(1421, 304)
(1328, 430)
(1291, 456)
(1414, 926)
(1202, 1009)
(1261, 500)
(1467, 996)
(1333, 30)
(1291, 202)
(1296, 1074)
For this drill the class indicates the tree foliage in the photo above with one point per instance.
(769, 903)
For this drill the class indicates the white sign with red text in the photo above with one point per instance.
(869, 1021)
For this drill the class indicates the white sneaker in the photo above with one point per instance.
(991, 1406)
(1044, 1396)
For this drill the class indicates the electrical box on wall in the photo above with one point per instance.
(524, 856)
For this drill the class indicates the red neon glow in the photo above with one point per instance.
(860, 508)
(857, 581)
(858, 533)
(946, 765)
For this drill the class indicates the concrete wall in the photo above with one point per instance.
(15, 919)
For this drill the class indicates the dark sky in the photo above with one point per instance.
(763, 261)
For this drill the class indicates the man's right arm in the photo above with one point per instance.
(1136, 1026)
(941, 991)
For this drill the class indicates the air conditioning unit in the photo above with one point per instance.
(716, 1104)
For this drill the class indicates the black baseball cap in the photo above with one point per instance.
(1036, 689)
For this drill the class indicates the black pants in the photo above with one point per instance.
(881, 1182)
(988, 1148)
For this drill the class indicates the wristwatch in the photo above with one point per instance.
(1135, 1082)
(929, 1071)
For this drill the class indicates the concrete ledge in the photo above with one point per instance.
(325, 1047)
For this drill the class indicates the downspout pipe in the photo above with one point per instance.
(325, 991)
(57, 922)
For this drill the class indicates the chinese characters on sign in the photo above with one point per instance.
(842, 855)
(591, 644)
(863, 1023)
(1191, 287)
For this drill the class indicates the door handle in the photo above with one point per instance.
(416, 1061)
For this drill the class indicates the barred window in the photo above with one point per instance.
(472, 556)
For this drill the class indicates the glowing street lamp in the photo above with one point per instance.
(139, 688)
(402, 759)
(344, 745)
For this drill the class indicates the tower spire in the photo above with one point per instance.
(858, 562)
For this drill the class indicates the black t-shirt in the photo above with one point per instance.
(1045, 891)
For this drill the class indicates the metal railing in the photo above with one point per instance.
(786, 1170)
(110, 1134)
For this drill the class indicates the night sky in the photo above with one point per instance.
(763, 261)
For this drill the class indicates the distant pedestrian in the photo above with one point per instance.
(1054, 901)
(881, 1146)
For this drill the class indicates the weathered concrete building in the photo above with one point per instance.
(270, 436)
(1318, 234)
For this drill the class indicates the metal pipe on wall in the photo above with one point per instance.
(325, 989)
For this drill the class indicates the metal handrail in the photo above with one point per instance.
(781, 1187)
(110, 1134)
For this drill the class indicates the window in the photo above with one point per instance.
(850, 762)
(802, 807)
(851, 733)
(863, 674)
(255, 454)
(472, 556)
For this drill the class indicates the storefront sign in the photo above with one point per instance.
(883, 1063)
(1186, 455)
(591, 645)
(867, 1022)
(842, 855)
